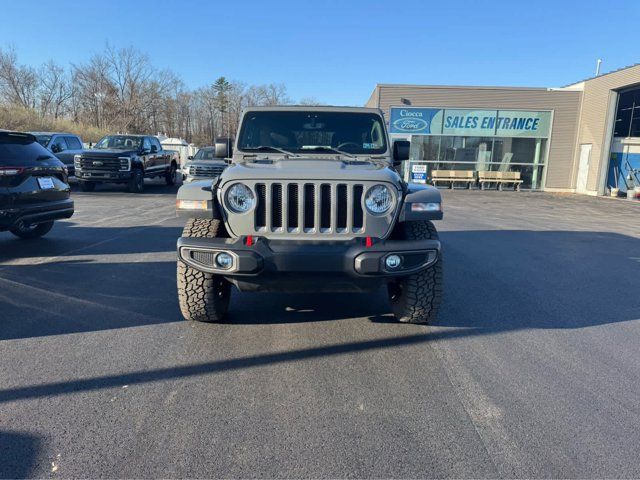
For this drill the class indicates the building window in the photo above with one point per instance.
(628, 114)
(504, 154)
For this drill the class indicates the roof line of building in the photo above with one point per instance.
(602, 74)
(408, 85)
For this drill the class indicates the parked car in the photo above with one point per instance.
(34, 191)
(65, 146)
(312, 202)
(204, 165)
(126, 159)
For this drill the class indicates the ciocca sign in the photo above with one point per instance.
(464, 122)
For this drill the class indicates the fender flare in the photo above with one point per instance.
(423, 194)
(199, 191)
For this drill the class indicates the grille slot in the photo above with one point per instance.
(341, 221)
(276, 206)
(261, 207)
(293, 206)
(309, 206)
(358, 214)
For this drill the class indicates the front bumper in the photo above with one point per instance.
(271, 257)
(102, 176)
(33, 214)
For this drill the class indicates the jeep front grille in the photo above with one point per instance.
(309, 208)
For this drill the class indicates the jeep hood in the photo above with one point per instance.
(316, 169)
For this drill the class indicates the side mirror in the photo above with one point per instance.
(400, 151)
(154, 149)
(190, 157)
(223, 150)
(55, 148)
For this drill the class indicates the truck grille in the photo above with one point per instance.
(309, 208)
(208, 171)
(102, 164)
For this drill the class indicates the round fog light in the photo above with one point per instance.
(393, 262)
(224, 260)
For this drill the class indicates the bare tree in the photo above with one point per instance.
(18, 83)
(55, 90)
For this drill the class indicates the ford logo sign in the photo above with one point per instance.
(410, 124)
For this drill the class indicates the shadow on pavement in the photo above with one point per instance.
(151, 187)
(18, 452)
(495, 281)
(69, 237)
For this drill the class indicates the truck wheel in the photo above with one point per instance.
(416, 298)
(32, 231)
(203, 297)
(87, 186)
(136, 183)
(170, 175)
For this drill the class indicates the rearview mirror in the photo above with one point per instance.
(400, 151)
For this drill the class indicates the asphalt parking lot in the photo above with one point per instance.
(532, 370)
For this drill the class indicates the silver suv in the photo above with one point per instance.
(311, 202)
(207, 163)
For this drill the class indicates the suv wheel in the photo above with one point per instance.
(32, 231)
(203, 297)
(170, 176)
(136, 183)
(416, 298)
(87, 186)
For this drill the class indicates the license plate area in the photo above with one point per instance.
(46, 183)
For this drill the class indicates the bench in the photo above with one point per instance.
(452, 176)
(499, 178)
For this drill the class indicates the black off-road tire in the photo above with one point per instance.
(136, 182)
(170, 175)
(32, 231)
(87, 186)
(416, 298)
(203, 297)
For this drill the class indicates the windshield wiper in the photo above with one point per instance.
(266, 148)
(324, 148)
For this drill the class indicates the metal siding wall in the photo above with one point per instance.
(373, 99)
(564, 103)
(593, 128)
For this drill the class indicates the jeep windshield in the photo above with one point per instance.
(348, 133)
(119, 142)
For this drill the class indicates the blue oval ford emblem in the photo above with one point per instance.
(410, 124)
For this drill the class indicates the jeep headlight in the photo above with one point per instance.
(240, 198)
(378, 200)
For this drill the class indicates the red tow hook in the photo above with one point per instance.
(368, 242)
(249, 241)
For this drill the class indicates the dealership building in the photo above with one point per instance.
(582, 138)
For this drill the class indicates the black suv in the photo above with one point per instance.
(33, 186)
(65, 146)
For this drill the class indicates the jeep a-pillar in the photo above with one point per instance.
(311, 202)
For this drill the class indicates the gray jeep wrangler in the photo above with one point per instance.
(311, 202)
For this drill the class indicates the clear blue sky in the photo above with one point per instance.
(336, 51)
